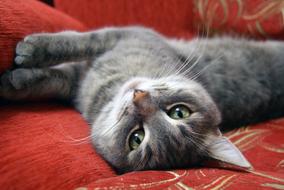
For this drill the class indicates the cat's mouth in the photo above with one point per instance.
(133, 84)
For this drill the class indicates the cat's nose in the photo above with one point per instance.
(139, 96)
(142, 102)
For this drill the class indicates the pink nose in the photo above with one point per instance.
(139, 96)
(142, 102)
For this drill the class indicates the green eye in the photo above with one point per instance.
(179, 112)
(136, 139)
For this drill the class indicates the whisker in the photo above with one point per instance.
(119, 119)
(200, 55)
(173, 68)
(197, 61)
(195, 76)
(168, 69)
(189, 59)
(87, 138)
(198, 143)
(142, 161)
(160, 72)
(78, 141)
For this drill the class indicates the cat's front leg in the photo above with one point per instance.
(46, 49)
(32, 83)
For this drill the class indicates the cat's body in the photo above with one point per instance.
(126, 81)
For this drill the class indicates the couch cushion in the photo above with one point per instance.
(171, 17)
(44, 146)
(258, 18)
(22, 17)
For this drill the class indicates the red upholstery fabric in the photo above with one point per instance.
(19, 18)
(38, 149)
(171, 17)
(40, 146)
(257, 18)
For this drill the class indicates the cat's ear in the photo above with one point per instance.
(222, 149)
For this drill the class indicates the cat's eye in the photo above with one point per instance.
(179, 112)
(136, 139)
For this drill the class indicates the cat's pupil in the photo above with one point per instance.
(137, 139)
(179, 113)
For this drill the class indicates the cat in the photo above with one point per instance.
(153, 102)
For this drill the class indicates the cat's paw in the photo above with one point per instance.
(18, 79)
(7, 88)
(32, 51)
(16, 84)
(13, 79)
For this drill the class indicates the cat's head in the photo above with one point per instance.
(164, 123)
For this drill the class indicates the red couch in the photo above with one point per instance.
(39, 142)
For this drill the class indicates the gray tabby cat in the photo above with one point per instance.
(152, 102)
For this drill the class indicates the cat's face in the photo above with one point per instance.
(157, 124)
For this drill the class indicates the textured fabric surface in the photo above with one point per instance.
(40, 148)
(257, 18)
(171, 17)
(19, 18)
(43, 145)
